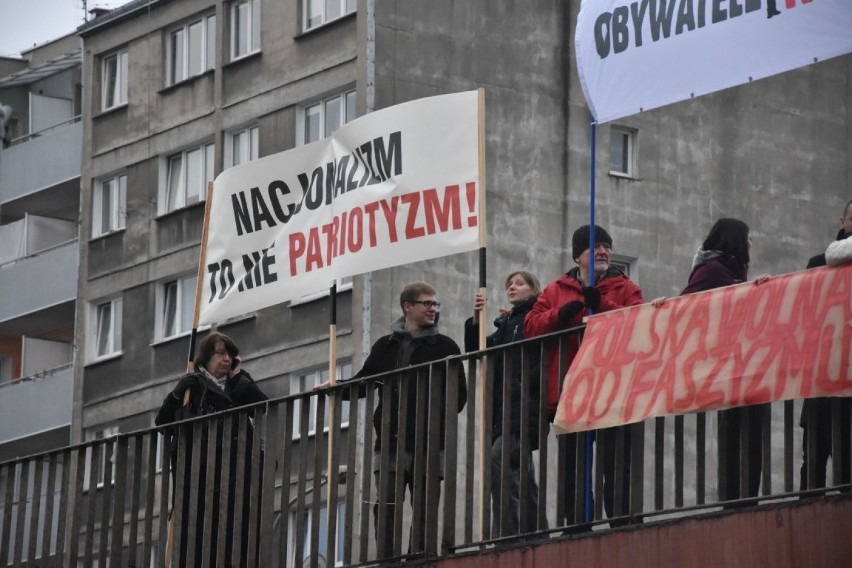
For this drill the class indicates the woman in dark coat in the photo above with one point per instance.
(217, 383)
(522, 290)
(721, 261)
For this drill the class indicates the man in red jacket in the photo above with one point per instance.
(562, 305)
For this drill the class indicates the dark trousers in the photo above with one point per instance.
(516, 522)
(818, 415)
(732, 422)
(393, 504)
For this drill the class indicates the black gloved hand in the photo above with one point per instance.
(592, 296)
(569, 311)
(185, 382)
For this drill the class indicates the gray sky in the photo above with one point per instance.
(28, 22)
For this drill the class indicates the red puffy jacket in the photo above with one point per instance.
(617, 291)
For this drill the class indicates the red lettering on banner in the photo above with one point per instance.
(413, 201)
(297, 249)
(355, 233)
(440, 212)
(370, 210)
(390, 209)
(330, 232)
(314, 255)
(748, 344)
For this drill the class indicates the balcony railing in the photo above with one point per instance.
(35, 404)
(254, 484)
(24, 169)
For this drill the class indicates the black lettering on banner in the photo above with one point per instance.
(638, 11)
(685, 18)
(390, 159)
(260, 210)
(661, 18)
(242, 218)
(620, 31)
(279, 186)
(312, 189)
(225, 272)
(340, 184)
(602, 31)
(258, 266)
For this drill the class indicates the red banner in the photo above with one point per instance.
(787, 338)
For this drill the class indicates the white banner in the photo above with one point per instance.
(642, 54)
(392, 187)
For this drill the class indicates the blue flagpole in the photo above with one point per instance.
(587, 510)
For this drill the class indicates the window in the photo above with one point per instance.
(621, 152)
(109, 210)
(114, 80)
(187, 174)
(322, 552)
(107, 329)
(305, 382)
(176, 304)
(319, 12)
(100, 433)
(191, 49)
(245, 28)
(241, 147)
(320, 119)
(626, 264)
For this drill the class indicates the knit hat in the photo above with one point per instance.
(580, 240)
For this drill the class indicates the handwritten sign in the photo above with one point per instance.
(788, 338)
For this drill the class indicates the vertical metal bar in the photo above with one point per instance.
(23, 490)
(286, 458)
(68, 501)
(8, 474)
(253, 494)
(135, 490)
(50, 508)
(333, 440)
(700, 458)
(436, 385)
(35, 508)
(366, 480)
(116, 546)
(603, 438)
(743, 428)
(764, 415)
(168, 489)
(470, 451)
(505, 449)
(229, 453)
(455, 371)
(679, 457)
(153, 446)
(789, 425)
(301, 490)
(400, 454)
(238, 483)
(637, 468)
(351, 468)
(837, 449)
(196, 465)
(91, 497)
(106, 500)
(272, 427)
(319, 459)
(621, 481)
(524, 447)
(659, 460)
(213, 515)
(563, 457)
(541, 377)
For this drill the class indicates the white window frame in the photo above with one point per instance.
(251, 28)
(345, 7)
(305, 515)
(627, 136)
(100, 433)
(347, 100)
(205, 175)
(306, 381)
(207, 57)
(117, 95)
(113, 341)
(627, 264)
(183, 286)
(116, 186)
(248, 152)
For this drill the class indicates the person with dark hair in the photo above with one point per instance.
(723, 260)
(414, 339)
(818, 413)
(522, 290)
(217, 383)
(562, 305)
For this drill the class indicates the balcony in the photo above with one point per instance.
(273, 476)
(25, 173)
(39, 290)
(36, 404)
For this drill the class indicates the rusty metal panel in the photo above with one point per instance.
(812, 533)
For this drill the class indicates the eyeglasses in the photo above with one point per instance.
(428, 304)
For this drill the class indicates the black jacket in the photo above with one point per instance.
(510, 328)
(400, 350)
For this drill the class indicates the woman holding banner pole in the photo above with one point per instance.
(522, 290)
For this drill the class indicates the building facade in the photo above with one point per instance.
(40, 98)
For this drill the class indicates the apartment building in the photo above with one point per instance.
(39, 247)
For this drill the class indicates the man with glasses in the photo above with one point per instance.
(414, 339)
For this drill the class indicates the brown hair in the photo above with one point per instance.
(208, 347)
(528, 277)
(412, 291)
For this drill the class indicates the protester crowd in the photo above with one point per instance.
(592, 285)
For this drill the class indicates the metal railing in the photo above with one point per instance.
(252, 486)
